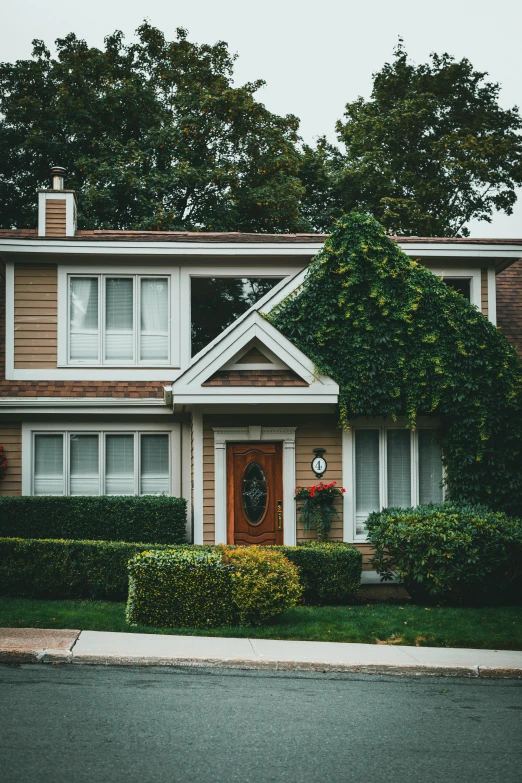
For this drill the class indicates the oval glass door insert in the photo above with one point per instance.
(254, 493)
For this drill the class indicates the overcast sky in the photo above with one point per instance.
(314, 56)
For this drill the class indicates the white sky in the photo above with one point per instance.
(314, 56)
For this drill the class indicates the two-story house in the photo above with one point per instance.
(103, 392)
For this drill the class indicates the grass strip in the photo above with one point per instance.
(497, 628)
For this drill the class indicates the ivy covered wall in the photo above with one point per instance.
(400, 342)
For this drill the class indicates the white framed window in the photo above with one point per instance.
(119, 319)
(101, 462)
(391, 466)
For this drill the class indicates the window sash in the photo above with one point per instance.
(131, 337)
(423, 456)
(86, 462)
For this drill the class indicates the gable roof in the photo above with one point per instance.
(298, 382)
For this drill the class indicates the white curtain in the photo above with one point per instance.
(84, 474)
(119, 319)
(154, 321)
(154, 471)
(398, 453)
(367, 491)
(48, 465)
(119, 465)
(430, 467)
(83, 315)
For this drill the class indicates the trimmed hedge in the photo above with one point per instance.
(156, 519)
(264, 583)
(330, 573)
(66, 569)
(180, 588)
(467, 554)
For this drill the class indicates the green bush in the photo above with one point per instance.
(66, 569)
(330, 573)
(180, 588)
(156, 519)
(448, 552)
(264, 583)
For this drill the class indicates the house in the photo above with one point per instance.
(102, 394)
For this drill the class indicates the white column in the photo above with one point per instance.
(289, 504)
(197, 434)
(185, 474)
(492, 296)
(220, 492)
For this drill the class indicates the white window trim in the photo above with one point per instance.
(472, 274)
(237, 270)
(222, 435)
(137, 368)
(65, 273)
(30, 429)
(348, 462)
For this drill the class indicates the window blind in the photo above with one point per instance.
(48, 465)
(84, 474)
(83, 315)
(119, 465)
(398, 454)
(119, 319)
(367, 490)
(430, 467)
(154, 473)
(154, 321)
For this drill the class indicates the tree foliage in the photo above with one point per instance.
(431, 150)
(400, 342)
(153, 134)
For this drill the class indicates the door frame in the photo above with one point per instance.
(222, 435)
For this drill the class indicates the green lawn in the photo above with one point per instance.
(492, 628)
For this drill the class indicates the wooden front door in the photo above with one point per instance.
(255, 493)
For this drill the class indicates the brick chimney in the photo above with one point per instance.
(57, 208)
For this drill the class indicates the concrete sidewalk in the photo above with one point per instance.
(36, 645)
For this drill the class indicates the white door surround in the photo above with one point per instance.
(223, 435)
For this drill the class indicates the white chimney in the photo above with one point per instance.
(57, 208)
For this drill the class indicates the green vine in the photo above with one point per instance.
(400, 342)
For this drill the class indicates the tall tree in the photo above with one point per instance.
(154, 135)
(431, 150)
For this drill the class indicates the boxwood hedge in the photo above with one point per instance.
(154, 519)
(330, 573)
(467, 554)
(180, 588)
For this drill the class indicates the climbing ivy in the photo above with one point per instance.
(400, 342)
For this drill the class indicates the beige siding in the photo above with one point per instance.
(366, 550)
(484, 291)
(55, 217)
(314, 432)
(35, 316)
(310, 433)
(11, 440)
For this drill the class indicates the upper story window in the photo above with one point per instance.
(119, 320)
(216, 302)
(460, 284)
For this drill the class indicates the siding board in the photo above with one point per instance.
(11, 440)
(35, 321)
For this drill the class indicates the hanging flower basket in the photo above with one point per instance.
(3, 463)
(318, 510)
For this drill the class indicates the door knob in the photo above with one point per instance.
(279, 514)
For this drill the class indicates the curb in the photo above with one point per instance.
(26, 645)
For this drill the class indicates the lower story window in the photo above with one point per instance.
(395, 467)
(101, 463)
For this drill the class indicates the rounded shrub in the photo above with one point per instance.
(264, 583)
(467, 554)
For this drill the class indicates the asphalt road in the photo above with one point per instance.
(70, 724)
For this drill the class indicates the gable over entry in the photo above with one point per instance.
(252, 363)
